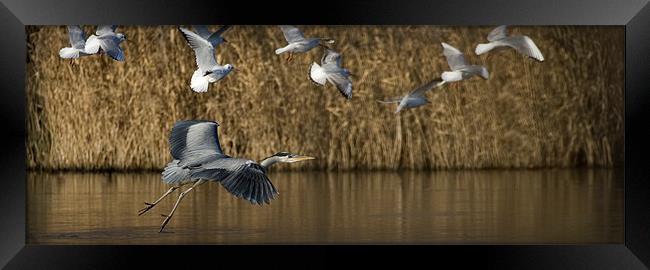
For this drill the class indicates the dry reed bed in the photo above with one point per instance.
(101, 114)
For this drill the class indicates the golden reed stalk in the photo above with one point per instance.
(102, 114)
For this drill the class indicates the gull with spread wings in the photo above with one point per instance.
(106, 40)
(498, 38)
(297, 43)
(208, 70)
(330, 70)
(415, 98)
(460, 70)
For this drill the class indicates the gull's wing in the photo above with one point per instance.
(331, 56)
(195, 142)
(317, 74)
(77, 37)
(105, 29)
(111, 45)
(497, 33)
(292, 34)
(245, 179)
(202, 30)
(391, 100)
(526, 46)
(343, 84)
(203, 50)
(454, 57)
(222, 30)
(428, 86)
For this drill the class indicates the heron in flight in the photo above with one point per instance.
(498, 38)
(77, 39)
(208, 70)
(106, 40)
(460, 70)
(415, 98)
(297, 43)
(214, 38)
(330, 70)
(198, 158)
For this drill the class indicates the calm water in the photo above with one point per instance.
(549, 206)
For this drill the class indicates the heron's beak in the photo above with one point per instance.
(300, 158)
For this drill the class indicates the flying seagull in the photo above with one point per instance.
(214, 38)
(209, 70)
(330, 70)
(297, 43)
(78, 41)
(415, 98)
(498, 38)
(460, 70)
(198, 158)
(106, 40)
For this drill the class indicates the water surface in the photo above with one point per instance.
(449, 207)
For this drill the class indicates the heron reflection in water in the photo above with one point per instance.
(198, 158)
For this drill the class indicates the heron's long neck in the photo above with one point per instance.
(267, 162)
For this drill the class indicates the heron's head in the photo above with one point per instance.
(287, 157)
(228, 67)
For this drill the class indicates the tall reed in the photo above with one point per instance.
(101, 114)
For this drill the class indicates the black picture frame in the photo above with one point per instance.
(634, 15)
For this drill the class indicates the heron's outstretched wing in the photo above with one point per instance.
(526, 46)
(111, 45)
(77, 37)
(203, 50)
(454, 57)
(195, 142)
(428, 86)
(202, 30)
(497, 33)
(244, 179)
(105, 29)
(331, 56)
(291, 33)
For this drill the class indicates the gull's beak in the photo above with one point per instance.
(297, 158)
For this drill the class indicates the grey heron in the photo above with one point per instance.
(77, 39)
(214, 38)
(498, 38)
(106, 39)
(460, 70)
(297, 43)
(416, 97)
(330, 70)
(198, 158)
(208, 70)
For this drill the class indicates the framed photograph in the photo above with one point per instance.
(506, 135)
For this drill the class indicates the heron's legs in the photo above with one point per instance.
(151, 205)
(180, 197)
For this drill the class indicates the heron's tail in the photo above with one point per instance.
(174, 174)
(483, 48)
(199, 83)
(68, 53)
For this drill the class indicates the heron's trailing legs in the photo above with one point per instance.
(151, 205)
(180, 197)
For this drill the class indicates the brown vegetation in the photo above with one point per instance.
(102, 114)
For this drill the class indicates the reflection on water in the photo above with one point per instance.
(550, 206)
